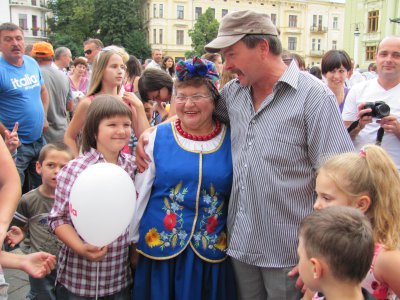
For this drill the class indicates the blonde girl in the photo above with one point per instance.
(370, 182)
(107, 78)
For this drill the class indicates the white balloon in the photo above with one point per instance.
(102, 203)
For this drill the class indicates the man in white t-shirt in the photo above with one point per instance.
(386, 87)
(355, 76)
(156, 55)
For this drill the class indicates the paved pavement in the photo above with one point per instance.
(18, 283)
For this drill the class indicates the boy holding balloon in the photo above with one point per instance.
(32, 213)
(86, 270)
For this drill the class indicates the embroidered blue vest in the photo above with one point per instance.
(189, 200)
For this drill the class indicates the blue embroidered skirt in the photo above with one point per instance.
(184, 277)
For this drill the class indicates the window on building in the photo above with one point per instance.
(197, 12)
(155, 36)
(35, 26)
(154, 10)
(335, 24)
(161, 10)
(373, 19)
(179, 37)
(319, 44)
(370, 52)
(224, 12)
(334, 45)
(160, 36)
(273, 18)
(34, 2)
(292, 21)
(213, 12)
(313, 44)
(180, 12)
(319, 21)
(34, 21)
(23, 21)
(292, 43)
(314, 20)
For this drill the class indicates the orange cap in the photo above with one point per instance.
(42, 49)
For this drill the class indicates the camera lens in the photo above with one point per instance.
(382, 110)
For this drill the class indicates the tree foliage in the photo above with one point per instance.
(203, 32)
(72, 23)
(121, 24)
(113, 22)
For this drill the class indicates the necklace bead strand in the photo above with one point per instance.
(192, 137)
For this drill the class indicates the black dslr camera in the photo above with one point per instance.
(379, 109)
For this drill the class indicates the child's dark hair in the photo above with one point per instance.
(102, 107)
(153, 80)
(342, 237)
(316, 71)
(58, 146)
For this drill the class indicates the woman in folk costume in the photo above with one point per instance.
(180, 223)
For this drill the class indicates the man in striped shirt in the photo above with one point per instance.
(283, 122)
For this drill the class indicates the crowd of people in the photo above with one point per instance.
(255, 178)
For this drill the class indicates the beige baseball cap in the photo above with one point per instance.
(236, 25)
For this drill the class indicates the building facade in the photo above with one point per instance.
(308, 27)
(368, 22)
(30, 15)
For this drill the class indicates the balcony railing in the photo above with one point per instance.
(35, 3)
(35, 33)
(317, 53)
(19, 2)
(319, 29)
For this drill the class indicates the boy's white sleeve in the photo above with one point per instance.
(143, 183)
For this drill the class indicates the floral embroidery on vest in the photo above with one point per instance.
(173, 222)
(209, 223)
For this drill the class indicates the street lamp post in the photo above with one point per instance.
(356, 42)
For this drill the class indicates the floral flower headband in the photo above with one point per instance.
(198, 67)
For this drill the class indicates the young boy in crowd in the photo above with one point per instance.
(32, 213)
(336, 247)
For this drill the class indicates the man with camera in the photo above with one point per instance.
(372, 108)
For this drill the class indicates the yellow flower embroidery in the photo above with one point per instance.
(221, 245)
(153, 238)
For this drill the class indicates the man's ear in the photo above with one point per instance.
(317, 268)
(363, 203)
(264, 47)
(38, 168)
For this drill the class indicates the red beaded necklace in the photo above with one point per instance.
(189, 136)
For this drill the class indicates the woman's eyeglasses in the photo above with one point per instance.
(194, 98)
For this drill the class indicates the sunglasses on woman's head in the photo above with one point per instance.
(106, 49)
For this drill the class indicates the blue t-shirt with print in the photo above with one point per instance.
(20, 98)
